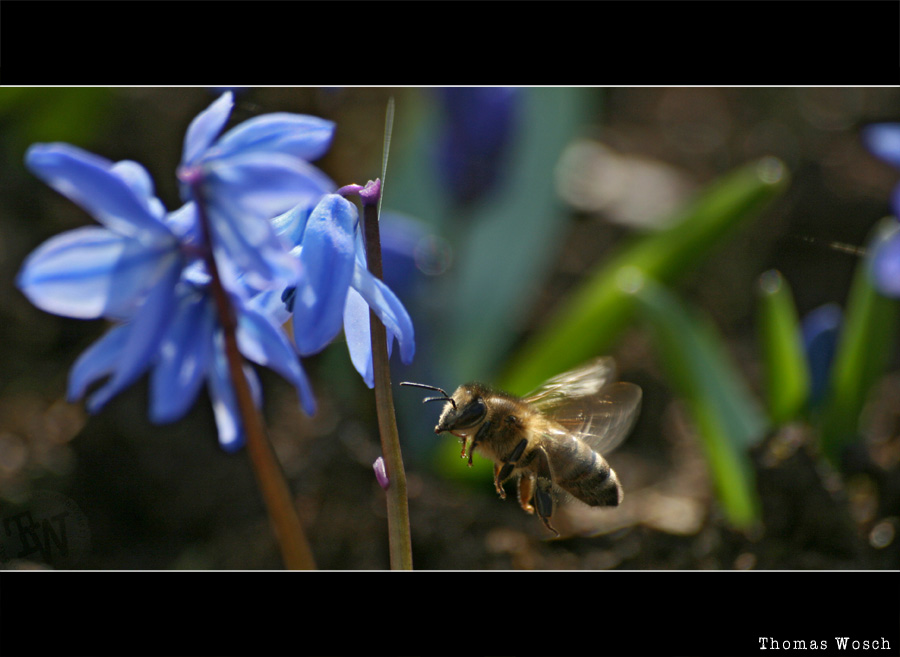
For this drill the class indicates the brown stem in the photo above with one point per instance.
(295, 549)
(397, 505)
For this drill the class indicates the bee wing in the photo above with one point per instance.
(602, 421)
(583, 381)
(588, 405)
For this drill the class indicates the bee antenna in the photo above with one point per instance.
(445, 397)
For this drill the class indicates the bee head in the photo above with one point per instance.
(463, 410)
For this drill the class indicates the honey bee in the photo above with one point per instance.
(550, 440)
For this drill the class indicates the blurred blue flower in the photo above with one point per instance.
(254, 172)
(477, 131)
(334, 289)
(820, 328)
(144, 270)
(402, 240)
(883, 141)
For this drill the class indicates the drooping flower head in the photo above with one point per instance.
(335, 289)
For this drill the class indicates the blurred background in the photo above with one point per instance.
(499, 206)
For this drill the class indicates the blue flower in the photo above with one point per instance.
(335, 290)
(479, 126)
(143, 269)
(254, 172)
(190, 352)
(94, 271)
(883, 140)
(820, 328)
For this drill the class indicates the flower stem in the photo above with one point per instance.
(397, 505)
(295, 549)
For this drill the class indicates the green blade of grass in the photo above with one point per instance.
(863, 352)
(787, 378)
(597, 312)
(725, 415)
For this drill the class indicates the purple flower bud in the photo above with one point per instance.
(381, 473)
(371, 193)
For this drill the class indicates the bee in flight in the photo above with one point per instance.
(550, 440)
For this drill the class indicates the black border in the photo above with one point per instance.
(441, 613)
(559, 43)
(399, 43)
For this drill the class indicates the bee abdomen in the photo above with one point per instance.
(601, 488)
(589, 478)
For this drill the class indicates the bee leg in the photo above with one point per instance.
(526, 491)
(482, 431)
(544, 505)
(498, 484)
(509, 464)
(543, 501)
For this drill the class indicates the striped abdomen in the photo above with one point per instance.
(582, 472)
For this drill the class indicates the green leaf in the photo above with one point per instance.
(787, 377)
(594, 316)
(863, 352)
(726, 416)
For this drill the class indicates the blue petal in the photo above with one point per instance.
(141, 183)
(267, 345)
(243, 197)
(327, 260)
(291, 225)
(271, 305)
(388, 308)
(91, 182)
(224, 403)
(357, 331)
(250, 246)
(92, 272)
(205, 127)
(883, 140)
(184, 223)
(302, 136)
(886, 266)
(145, 333)
(97, 361)
(183, 359)
(359, 336)
(263, 185)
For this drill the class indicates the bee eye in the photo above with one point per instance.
(471, 414)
